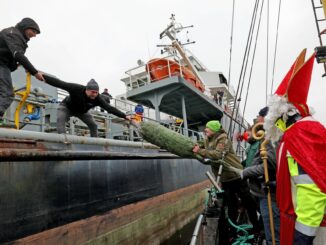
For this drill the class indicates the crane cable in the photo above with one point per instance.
(243, 63)
(267, 56)
(231, 41)
(278, 19)
(246, 65)
(278, 22)
(252, 62)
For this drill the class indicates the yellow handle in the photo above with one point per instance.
(24, 98)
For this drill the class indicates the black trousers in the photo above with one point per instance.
(240, 188)
(6, 89)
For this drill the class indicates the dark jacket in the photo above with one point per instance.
(255, 173)
(77, 101)
(214, 148)
(13, 44)
(107, 97)
(250, 152)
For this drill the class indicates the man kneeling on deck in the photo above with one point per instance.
(218, 147)
(80, 100)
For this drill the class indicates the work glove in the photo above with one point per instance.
(269, 184)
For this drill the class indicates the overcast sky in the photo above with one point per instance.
(101, 39)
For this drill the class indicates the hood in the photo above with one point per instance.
(27, 23)
(217, 134)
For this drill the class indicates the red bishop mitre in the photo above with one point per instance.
(295, 85)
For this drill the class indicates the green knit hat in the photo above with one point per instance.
(215, 126)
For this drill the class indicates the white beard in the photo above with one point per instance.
(278, 107)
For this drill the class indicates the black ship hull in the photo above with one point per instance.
(37, 195)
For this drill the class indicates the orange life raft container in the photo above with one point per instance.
(159, 69)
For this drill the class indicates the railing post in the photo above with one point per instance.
(169, 68)
(130, 82)
(72, 126)
(197, 229)
(148, 74)
(42, 121)
(181, 73)
(184, 114)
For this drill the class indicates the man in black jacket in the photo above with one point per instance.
(80, 100)
(13, 44)
(106, 96)
(255, 174)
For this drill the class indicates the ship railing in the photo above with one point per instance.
(103, 119)
(131, 133)
(128, 132)
(61, 94)
(227, 102)
(228, 92)
(34, 102)
(141, 75)
(128, 106)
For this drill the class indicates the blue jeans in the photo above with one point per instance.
(276, 214)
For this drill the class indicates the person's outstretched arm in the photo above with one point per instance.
(55, 82)
(110, 109)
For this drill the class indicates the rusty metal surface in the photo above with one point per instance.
(173, 209)
(7, 144)
(16, 141)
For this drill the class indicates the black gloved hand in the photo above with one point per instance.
(271, 185)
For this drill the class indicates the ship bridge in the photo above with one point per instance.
(173, 95)
(176, 97)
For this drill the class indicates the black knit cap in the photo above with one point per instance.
(92, 85)
(263, 112)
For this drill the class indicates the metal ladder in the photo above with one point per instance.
(318, 21)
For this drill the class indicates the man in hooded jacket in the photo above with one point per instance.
(218, 147)
(13, 44)
(255, 173)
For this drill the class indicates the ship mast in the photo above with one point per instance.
(171, 32)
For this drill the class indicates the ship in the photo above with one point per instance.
(114, 189)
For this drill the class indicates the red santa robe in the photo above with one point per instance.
(306, 142)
